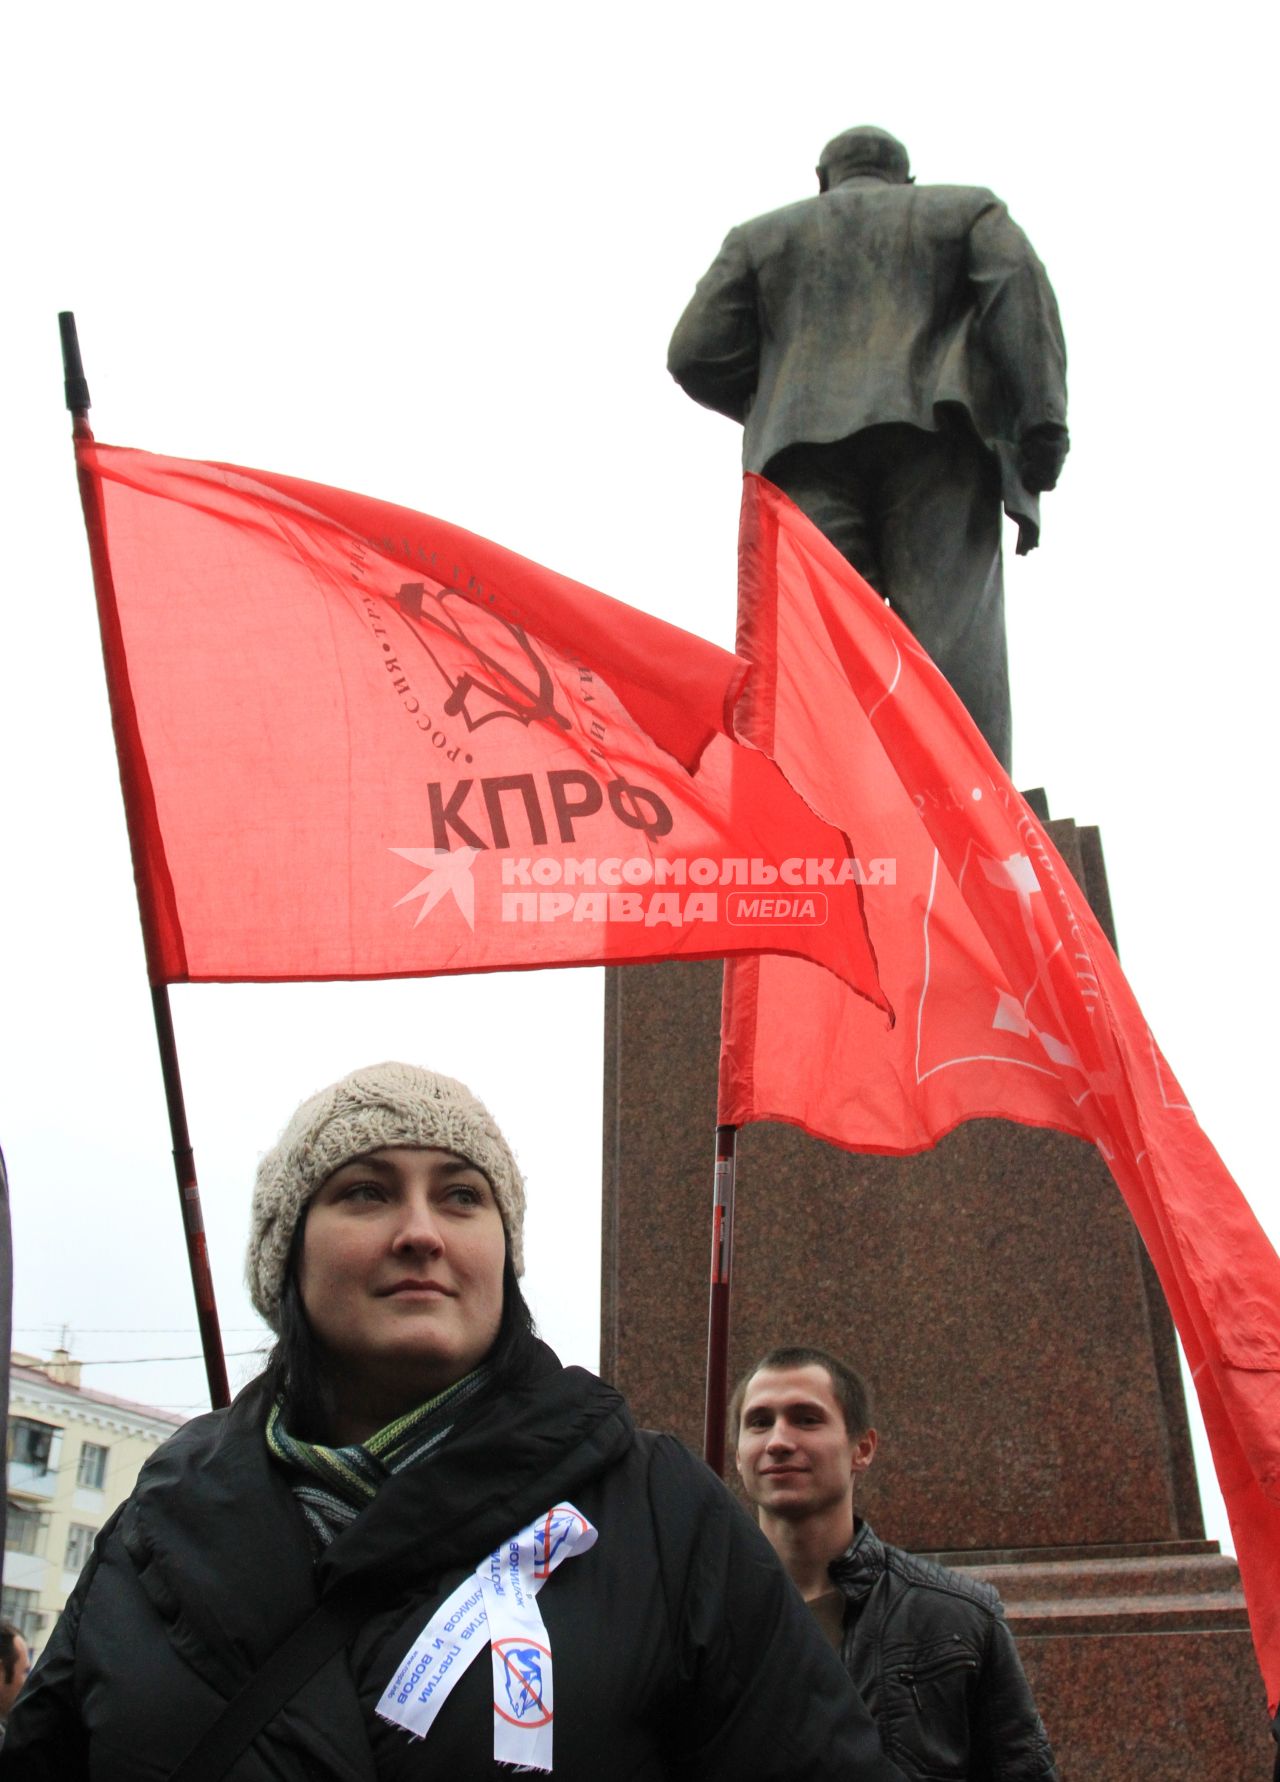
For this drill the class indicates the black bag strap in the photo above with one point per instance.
(325, 1631)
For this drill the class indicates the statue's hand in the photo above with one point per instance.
(1041, 454)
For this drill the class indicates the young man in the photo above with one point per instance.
(929, 1650)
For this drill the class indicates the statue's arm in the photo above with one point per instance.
(714, 354)
(1022, 332)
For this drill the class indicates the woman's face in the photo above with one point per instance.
(401, 1273)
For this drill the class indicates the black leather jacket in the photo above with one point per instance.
(932, 1657)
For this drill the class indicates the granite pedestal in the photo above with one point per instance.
(996, 1294)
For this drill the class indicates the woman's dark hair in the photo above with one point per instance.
(295, 1370)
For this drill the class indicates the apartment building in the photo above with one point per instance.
(73, 1456)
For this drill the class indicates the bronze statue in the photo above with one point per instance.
(895, 356)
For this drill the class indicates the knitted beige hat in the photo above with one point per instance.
(383, 1104)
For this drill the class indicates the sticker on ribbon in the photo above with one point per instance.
(496, 1606)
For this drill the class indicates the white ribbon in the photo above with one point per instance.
(497, 1605)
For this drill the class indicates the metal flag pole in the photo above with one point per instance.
(184, 1165)
(718, 1310)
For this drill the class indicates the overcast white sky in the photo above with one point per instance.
(435, 255)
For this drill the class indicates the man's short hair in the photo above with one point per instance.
(9, 1636)
(850, 1390)
(865, 149)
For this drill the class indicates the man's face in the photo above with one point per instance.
(21, 1665)
(795, 1456)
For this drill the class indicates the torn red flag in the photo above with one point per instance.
(357, 742)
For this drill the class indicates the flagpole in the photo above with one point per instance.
(184, 1169)
(713, 1431)
(215, 1366)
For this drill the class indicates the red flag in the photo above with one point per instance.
(358, 742)
(1009, 1000)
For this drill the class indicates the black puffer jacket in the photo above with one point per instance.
(680, 1648)
(933, 1658)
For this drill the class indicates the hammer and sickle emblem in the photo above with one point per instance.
(490, 690)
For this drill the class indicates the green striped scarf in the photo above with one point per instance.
(333, 1485)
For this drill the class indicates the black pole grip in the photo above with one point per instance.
(76, 387)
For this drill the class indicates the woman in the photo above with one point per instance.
(416, 1531)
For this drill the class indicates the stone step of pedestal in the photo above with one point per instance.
(1114, 1615)
(1209, 1574)
(971, 1559)
(1182, 1592)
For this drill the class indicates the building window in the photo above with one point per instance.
(20, 1607)
(92, 1469)
(30, 1443)
(24, 1529)
(79, 1546)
